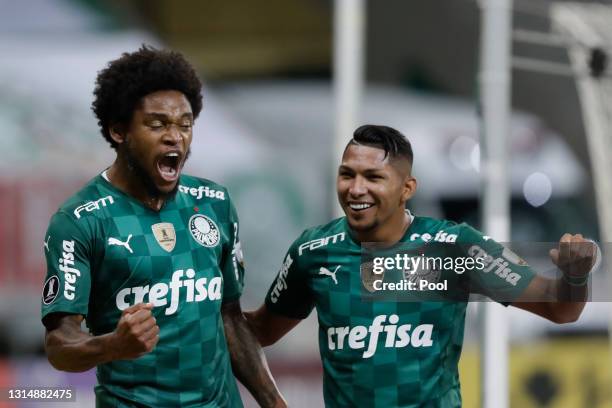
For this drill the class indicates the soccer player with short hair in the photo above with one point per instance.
(394, 352)
(150, 258)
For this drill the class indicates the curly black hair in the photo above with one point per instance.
(393, 142)
(125, 81)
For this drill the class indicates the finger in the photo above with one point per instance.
(137, 307)
(150, 334)
(138, 317)
(578, 246)
(147, 324)
(590, 253)
(564, 249)
(152, 343)
(583, 249)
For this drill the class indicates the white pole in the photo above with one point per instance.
(495, 100)
(349, 27)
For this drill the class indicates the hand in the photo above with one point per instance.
(137, 332)
(575, 255)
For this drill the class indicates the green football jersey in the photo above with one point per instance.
(105, 252)
(384, 351)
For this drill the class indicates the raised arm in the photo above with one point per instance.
(562, 300)
(69, 348)
(248, 360)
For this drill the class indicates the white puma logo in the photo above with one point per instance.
(126, 244)
(46, 243)
(324, 271)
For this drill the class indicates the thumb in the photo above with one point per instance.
(554, 256)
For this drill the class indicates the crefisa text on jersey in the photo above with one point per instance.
(196, 290)
(396, 335)
(281, 282)
(202, 191)
(66, 265)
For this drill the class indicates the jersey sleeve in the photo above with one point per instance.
(289, 295)
(68, 256)
(232, 267)
(500, 274)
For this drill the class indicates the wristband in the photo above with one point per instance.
(576, 280)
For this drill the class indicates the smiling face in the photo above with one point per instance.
(372, 191)
(155, 144)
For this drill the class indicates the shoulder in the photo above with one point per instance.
(199, 189)
(319, 236)
(440, 230)
(431, 229)
(335, 228)
(87, 202)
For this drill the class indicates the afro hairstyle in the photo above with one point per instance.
(125, 81)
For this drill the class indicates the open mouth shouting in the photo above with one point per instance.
(169, 166)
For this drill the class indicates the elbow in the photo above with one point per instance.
(565, 316)
(560, 319)
(60, 364)
(56, 363)
(56, 357)
(51, 350)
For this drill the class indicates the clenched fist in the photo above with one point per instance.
(137, 332)
(575, 256)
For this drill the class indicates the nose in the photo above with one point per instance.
(357, 187)
(172, 135)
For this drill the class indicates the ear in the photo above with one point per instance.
(117, 133)
(409, 188)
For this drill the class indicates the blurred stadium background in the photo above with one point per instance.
(266, 132)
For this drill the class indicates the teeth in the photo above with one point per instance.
(173, 154)
(360, 206)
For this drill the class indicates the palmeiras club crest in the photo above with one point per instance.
(204, 230)
(422, 273)
(164, 235)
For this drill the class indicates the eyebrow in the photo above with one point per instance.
(159, 115)
(367, 171)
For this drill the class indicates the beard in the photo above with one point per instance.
(138, 172)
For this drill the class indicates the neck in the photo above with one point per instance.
(390, 233)
(124, 178)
